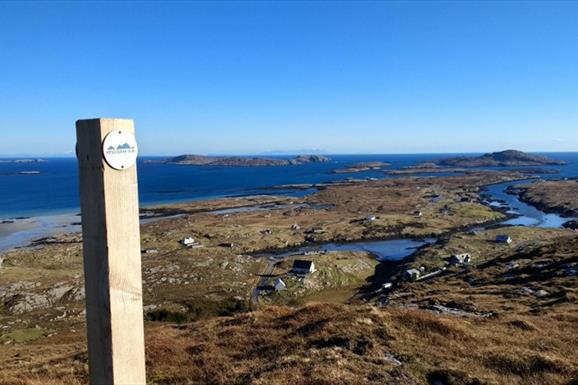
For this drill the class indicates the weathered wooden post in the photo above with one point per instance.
(106, 151)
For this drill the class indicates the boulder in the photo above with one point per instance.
(23, 303)
(541, 293)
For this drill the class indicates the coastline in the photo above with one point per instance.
(25, 230)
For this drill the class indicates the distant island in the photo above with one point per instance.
(240, 161)
(22, 160)
(363, 166)
(508, 158)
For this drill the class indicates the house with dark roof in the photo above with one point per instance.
(302, 267)
(504, 239)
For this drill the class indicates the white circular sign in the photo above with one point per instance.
(120, 149)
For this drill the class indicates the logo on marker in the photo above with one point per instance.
(120, 149)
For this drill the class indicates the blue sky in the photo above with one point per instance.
(250, 77)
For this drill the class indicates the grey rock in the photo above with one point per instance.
(391, 358)
(23, 303)
(541, 293)
(526, 290)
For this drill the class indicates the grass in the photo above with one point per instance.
(199, 309)
(353, 345)
(24, 335)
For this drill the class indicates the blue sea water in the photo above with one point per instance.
(55, 189)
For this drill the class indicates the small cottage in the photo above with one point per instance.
(150, 250)
(418, 214)
(188, 241)
(460, 259)
(302, 267)
(506, 239)
(279, 285)
(371, 218)
(412, 274)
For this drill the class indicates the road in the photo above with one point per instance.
(264, 277)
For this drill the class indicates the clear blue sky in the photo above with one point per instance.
(249, 77)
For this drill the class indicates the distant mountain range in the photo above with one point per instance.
(507, 158)
(239, 161)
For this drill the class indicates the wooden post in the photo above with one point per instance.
(111, 244)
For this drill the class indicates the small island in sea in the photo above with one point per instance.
(240, 161)
(507, 158)
(362, 166)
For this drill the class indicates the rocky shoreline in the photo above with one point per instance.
(543, 196)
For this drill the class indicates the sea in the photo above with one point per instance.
(50, 194)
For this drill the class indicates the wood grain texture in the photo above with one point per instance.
(112, 261)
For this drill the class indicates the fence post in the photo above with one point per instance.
(106, 152)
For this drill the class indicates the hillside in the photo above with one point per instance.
(511, 319)
(508, 158)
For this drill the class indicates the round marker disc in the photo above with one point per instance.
(120, 149)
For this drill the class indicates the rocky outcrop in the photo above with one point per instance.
(19, 298)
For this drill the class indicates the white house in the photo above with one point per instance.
(279, 285)
(188, 241)
(302, 267)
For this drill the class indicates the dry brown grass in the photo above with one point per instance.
(345, 344)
